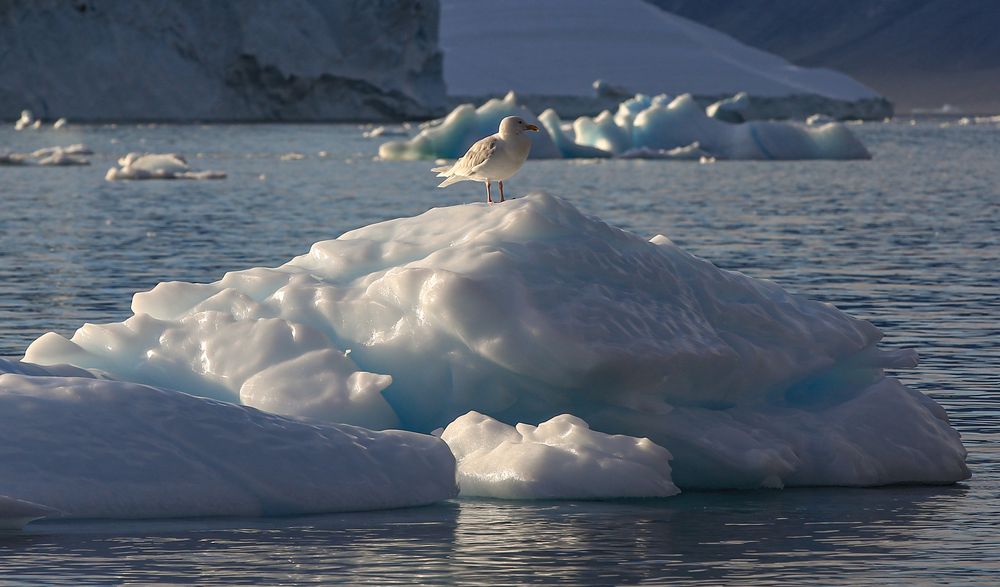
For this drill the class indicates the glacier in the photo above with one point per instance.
(246, 60)
(526, 311)
(642, 127)
(578, 55)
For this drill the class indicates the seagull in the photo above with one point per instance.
(495, 158)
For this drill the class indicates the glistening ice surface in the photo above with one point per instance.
(527, 310)
(907, 241)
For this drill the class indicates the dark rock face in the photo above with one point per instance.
(253, 60)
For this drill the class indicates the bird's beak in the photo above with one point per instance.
(532, 127)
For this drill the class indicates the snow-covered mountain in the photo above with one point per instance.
(220, 60)
(918, 53)
(560, 47)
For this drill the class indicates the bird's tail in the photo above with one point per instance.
(442, 171)
(451, 179)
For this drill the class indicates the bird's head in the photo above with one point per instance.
(515, 125)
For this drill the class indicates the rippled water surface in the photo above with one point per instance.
(908, 240)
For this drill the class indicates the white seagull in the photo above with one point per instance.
(495, 158)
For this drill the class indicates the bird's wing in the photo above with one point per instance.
(478, 153)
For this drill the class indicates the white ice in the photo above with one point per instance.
(27, 120)
(558, 459)
(92, 448)
(528, 310)
(157, 166)
(731, 109)
(649, 126)
(49, 156)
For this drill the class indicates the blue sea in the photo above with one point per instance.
(909, 240)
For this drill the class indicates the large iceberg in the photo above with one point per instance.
(642, 127)
(82, 447)
(527, 310)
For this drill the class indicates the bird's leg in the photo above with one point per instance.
(501, 191)
(489, 196)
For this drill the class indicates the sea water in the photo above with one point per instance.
(909, 240)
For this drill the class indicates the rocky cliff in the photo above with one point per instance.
(224, 60)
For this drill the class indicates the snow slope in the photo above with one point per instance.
(220, 60)
(918, 53)
(560, 47)
(527, 310)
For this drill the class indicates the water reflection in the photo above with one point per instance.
(810, 535)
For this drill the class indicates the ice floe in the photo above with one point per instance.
(157, 166)
(49, 156)
(92, 448)
(642, 125)
(558, 459)
(528, 310)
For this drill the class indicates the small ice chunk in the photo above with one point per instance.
(561, 458)
(27, 120)
(817, 119)
(692, 152)
(157, 166)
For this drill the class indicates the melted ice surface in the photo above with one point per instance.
(92, 448)
(527, 310)
(561, 458)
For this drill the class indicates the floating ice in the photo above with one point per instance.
(819, 119)
(527, 310)
(692, 152)
(157, 166)
(49, 156)
(93, 448)
(16, 513)
(642, 126)
(974, 120)
(58, 124)
(451, 137)
(558, 459)
(383, 131)
(27, 120)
